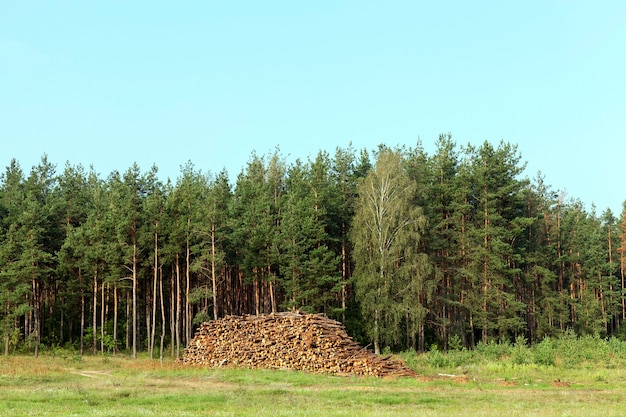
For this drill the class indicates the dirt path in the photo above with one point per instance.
(92, 374)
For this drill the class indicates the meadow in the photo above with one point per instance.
(575, 377)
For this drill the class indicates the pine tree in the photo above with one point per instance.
(28, 252)
(210, 260)
(344, 177)
(126, 203)
(256, 221)
(442, 238)
(622, 263)
(499, 220)
(308, 267)
(74, 207)
(612, 284)
(83, 253)
(14, 286)
(544, 313)
(153, 210)
(185, 205)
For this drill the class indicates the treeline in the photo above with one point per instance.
(407, 249)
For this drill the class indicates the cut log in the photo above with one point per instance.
(291, 340)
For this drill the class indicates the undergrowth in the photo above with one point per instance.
(566, 351)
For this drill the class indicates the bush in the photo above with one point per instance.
(437, 358)
(455, 343)
(617, 347)
(521, 352)
(493, 351)
(565, 351)
(107, 342)
(573, 351)
(544, 352)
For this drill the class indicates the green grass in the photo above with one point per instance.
(118, 386)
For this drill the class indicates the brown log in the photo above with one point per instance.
(290, 340)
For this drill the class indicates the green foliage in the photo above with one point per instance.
(15, 336)
(455, 343)
(108, 342)
(407, 249)
(438, 359)
(520, 352)
(201, 317)
(494, 351)
(308, 266)
(553, 355)
(390, 274)
(544, 353)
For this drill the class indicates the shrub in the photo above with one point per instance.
(493, 351)
(564, 351)
(544, 352)
(567, 347)
(455, 343)
(437, 358)
(521, 353)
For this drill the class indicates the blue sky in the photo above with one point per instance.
(110, 83)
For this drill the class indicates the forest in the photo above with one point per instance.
(407, 249)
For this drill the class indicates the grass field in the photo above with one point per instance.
(117, 386)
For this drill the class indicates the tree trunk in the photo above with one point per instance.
(148, 298)
(472, 336)
(162, 313)
(82, 312)
(485, 274)
(559, 255)
(178, 306)
(188, 312)
(272, 298)
(62, 322)
(622, 257)
(102, 304)
(172, 311)
(128, 321)
(154, 292)
(623, 274)
(36, 314)
(344, 278)
(257, 291)
(135, 300)
(213, 277)
(115, 317)
(95, 310)
(376, 327)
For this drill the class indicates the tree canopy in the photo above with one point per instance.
(406, 249)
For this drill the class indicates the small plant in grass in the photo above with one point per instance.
(438, 359)
(455, 344)
(544, 352)
(410, 359)
(493, 351)
(568, 349)
(601, 377)
(588, 350)
(521, 353)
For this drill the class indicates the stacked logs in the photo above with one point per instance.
(292, 340)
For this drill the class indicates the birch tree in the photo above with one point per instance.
(386, 229)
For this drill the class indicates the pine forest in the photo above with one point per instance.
(408, 250)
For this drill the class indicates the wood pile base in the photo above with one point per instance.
(292, 340)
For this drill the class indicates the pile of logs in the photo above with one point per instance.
(292, 340)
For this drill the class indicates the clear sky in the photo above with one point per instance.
(110, 83)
